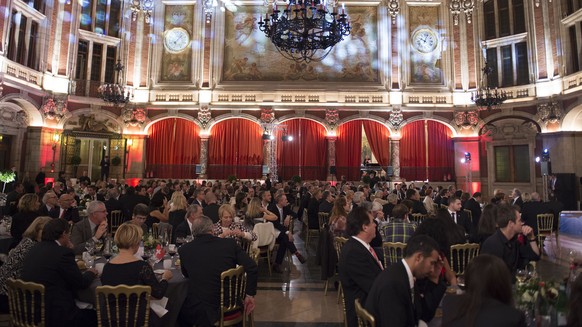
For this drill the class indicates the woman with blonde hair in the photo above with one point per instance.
(257, 214)
(13, 264)
(338, 216)
(177, 211)
(227, 227)
(28, 206)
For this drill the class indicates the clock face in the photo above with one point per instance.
(176, 39)
(424, 40)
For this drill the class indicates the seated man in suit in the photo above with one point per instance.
(201, 307)
(358, 264)
(49, 205)
(474, 205)
(67, 211)
(327, 202)
(459, 217)
(184, 229)
(393, 299)
(112, 203)
(413, 195)
(285, 239)
(211, 208)
(52, 264)
(12, 199)
(93, 227)
(388, 207)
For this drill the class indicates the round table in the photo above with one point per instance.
(176, 293)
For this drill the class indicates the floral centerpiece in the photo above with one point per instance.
(7, 177)
(536, 297)
(150, 242)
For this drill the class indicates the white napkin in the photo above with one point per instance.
(83, 305)
(159, 306)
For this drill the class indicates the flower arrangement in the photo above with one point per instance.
(7, 177)
(537, 292)
(150, 242)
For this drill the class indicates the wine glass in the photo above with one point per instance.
(522, 275)
(172, 251)
(107, 254)
(180, 241)
(146, 254)
(90, 246)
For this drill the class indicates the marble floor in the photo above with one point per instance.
(296, 296)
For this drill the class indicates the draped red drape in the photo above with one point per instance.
(416, 148)
(441, 151)
(306, 155)
(348, 150)
(379, 139)
(413, 151)
(173, 148)
(235, 148)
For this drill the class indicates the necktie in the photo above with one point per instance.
(454, 215)
(376, 257)
(62, 214)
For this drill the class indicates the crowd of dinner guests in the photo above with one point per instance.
(51, 223)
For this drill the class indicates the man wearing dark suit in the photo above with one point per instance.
(358, 263)
(473, 204)
(12, 199)
(304, 203)
(52, 264)
(387, 208)
(327, 203)
(393, 299)
(211, 209)
(199, 198)
(85, 179)
(459, 216)
(104, 168)
(517, 200)
(418, 207)
(112, 203)
(49, 205)
(131, 199)
(285, 238)
(201, 307)
(531, 210)
(93, 227)
(312, 210)
(67, 211)
(184, 229)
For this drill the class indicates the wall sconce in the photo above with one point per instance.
(1, 137)
(56, 138)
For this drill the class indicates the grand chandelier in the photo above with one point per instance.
(116, 93)
(145, 6)
(304, 28)
(484, 97)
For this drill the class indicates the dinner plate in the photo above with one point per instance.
(159, 271)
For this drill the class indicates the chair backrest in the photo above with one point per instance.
(255, 253)
(247, 246)
(436, 207)
(393, 252)
(469, 214)
(338, 243)
(265, 234)
(158, 229)
(365, 319)
(232, 293)
(545, 222)
(123, 305)
(116, 221)
(444, 206)
(26, 303)
(417, 218)
(323, 219)
(461, 255)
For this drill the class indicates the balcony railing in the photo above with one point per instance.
(84, 88)
(22, 72)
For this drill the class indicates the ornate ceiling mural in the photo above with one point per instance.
(250, 56)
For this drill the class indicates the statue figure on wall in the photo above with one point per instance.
(90, 124)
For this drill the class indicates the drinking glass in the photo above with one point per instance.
(522, 275)
(90, 246)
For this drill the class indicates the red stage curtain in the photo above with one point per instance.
(348, 150)
(441, 151)
(235, 148)
(379, 138)
(306, 155)
(173, 148)
(413, 151)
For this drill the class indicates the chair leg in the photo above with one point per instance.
(325, 287)
(340, 293)
(269, 260)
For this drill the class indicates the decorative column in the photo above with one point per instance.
(395, 146)
(331, 158)
(203, 156)
(267, 151)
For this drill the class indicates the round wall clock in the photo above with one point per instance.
(176, 39)
(424, 40)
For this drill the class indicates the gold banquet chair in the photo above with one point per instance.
(26, 303)
(265, 240)
(461, 255)
(116, 221)
(158, 229)
(123, 305)
(338, 243)
(365, 319)
(417, 218)
(545, 227)
(232, 293)
(393, 252)
(469, 214)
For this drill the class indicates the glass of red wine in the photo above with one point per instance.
(172, 251)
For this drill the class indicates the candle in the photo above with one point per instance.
(343, 7)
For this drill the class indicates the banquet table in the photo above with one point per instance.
(176, 294)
